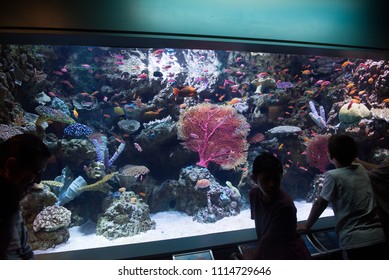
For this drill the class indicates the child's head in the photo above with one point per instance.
(342, 148)
(267, 173)
(23, 158)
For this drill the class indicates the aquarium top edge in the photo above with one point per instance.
(28, 36)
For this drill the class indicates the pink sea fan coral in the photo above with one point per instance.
(317, 152)
(216, 132)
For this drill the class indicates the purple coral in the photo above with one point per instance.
(320, 120)
(100, 142)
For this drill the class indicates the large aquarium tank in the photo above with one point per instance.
(157, 144)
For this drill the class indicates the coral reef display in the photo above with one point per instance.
(140, 131)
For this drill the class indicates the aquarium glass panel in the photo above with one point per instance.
(155, 144)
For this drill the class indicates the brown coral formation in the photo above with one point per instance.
(130, 174)
(52, 218)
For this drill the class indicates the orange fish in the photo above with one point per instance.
(361, 92)
(346, 63)
(309, 92)
(306, 72)
(221, 97)
(233, 101)
(386, 100)
(350, 85)
(370, 81)
(187, 91)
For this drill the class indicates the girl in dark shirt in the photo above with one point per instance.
(274, 213)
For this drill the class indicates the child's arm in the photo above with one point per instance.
(317, 209)
(367, 165)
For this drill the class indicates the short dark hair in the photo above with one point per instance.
(26, 148)
(267, 162)
(343, 148)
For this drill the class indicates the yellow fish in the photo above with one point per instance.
(119, 111)
(75, 113)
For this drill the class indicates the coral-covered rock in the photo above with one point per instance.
(207, 203)
(76, 152)
(43, 240)
(381, 114)
(31, 206)
(126, 216)
(36, 200)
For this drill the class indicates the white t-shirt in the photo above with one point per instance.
(351, 195)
